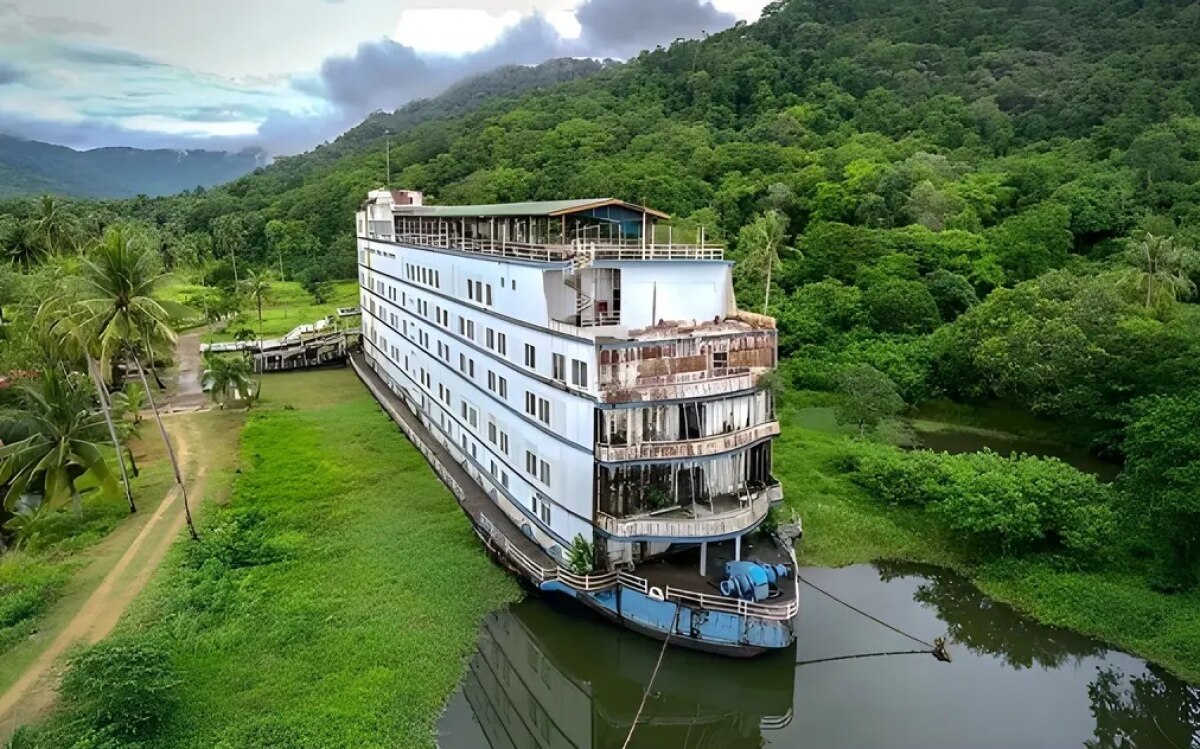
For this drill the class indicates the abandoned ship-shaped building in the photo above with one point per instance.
(586, 385)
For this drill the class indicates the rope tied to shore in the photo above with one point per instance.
(653, 676)
(937, 648)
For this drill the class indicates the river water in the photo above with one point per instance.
(548, 674)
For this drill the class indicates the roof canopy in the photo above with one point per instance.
(538, 208)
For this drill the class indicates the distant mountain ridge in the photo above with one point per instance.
(31, 167)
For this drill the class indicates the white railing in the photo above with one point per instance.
(699, 527)
(591, 250)
(687, 448)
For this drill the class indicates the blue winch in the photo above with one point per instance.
(751, 580)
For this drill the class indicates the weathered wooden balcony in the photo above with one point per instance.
(687, 448)
(744, 517)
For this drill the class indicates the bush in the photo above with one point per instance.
(1004, 505)
(123, 688)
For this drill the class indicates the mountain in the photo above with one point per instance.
(30, 167)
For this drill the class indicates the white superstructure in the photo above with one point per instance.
(595, 383)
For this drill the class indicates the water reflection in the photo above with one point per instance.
(546, 677)
(557, 677)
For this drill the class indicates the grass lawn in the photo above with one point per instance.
(56, 561)
(288, 306)
(842, 525)
(334, 600)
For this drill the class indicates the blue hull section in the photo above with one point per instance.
(712, 631)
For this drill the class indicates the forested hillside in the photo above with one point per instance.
(923, 155)
(31, 168)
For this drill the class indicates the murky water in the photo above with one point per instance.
(548, 674)
(956, 441)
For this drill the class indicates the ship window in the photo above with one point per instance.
(530, 463)
(579, 373)
(530, 356)
(559, 367)
(720, 359)
(502, 344)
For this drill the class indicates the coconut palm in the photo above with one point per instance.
(62, 338)
(61, 432)
(118, 309)
(257, 286)
(54, 228)
(1161, 268)
(227, 377)
(763, 242)
(21, 244)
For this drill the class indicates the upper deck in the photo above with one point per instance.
(579, 232)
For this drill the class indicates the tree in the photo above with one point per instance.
(895, 305)
(868, 397)
(21, 244)
(227, 377)
(1161, 482)
(54, 228)
(1161, 267)
(762, 241)
(62, 432)
(120, 314)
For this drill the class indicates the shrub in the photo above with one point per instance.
(123, 688)
(1001, 504)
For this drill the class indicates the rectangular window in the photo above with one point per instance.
(488, 289)
(462, 325)
(531, 462)
(504, 479)
(504, 442)
(491, 381)
(545, 513)
(471, 329)
(502, 344)
(490, 337)
(559, 368)
(544, 472)
(503, 387)
(530, 403)
(544, 411)
(492, 432)
(530, 356)
(579, 373)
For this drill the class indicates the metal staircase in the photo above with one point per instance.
(581, 259)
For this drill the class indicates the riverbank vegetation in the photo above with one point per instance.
(338, 553)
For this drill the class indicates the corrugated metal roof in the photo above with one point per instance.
(535, 208)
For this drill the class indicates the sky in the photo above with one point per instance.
(286, 75)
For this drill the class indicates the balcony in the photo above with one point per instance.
(681, 524)
(687, 448)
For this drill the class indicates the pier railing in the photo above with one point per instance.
(609, 580)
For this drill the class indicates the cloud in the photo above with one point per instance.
(61, 25)
(387, 75)
(89, 95)
(9, 74)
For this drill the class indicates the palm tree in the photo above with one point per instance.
(763, 242)
(62, 338)
(60, 442)
(21, 244)
(257, 286)
(54, 227)
(226, 377)
(1162, 267)
(120, 312)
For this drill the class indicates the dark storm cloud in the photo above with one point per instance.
(9, 74)
(621, 28)
(386, 74)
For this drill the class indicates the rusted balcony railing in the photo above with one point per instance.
(721, 524)
(594, 250)
(687, 448)
(678, 387)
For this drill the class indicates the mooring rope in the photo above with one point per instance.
(877, 620)
(863, 655)
(653, 676)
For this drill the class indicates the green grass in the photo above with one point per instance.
(38, 573)
(288, 306)
(335, 599)
(844, 526)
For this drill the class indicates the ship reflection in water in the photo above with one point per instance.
(538, 681)
(562, 678)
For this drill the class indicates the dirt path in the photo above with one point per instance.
(186, 391)
(32, 694)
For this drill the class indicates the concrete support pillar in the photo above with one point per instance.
(737, 549)
(703, 558)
